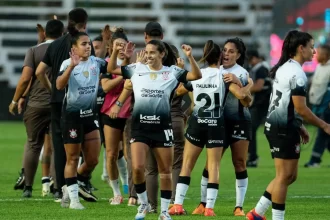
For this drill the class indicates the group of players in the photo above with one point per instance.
(140, 96)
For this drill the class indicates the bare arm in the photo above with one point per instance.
(108, 84)
(106, 36)
(62, 80)
(258, 85)
(181, 90)
(301, 108)
(41, 75)
(112, 65)
(115, 109)
(195, 72)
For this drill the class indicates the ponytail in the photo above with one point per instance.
(289, 48)
(212, 53)
(72, 28)
(169, 58)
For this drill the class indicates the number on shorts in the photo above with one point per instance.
(275, 103)
(169, 134)
(203, 112)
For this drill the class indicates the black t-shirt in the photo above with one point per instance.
(261, 97)
(57, 52)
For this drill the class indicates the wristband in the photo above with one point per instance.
(13, 102)
(118, 103)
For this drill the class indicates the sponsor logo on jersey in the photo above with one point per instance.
(86, 74)
(149, 119)
(215, 141)
(86, 113)
(152, 93)
(206, 86)
(153, 76)
(165, 75)
(210, 122)
(86, 90)
(73, 133)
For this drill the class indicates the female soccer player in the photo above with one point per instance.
(153, 87)
(237, 123)
(113, 128)
(79, 75)
(206, 127)
(283, 127)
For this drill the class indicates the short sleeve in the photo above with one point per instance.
(188, 86)
(180, 74)
(28, 60)
(63, 67)
(298, 86)
(129, 70)
(102, 64)
(262, 73)
(106, 76)
(47, 57)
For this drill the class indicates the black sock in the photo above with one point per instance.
(205, 173)
(70, 181)
(140, 188)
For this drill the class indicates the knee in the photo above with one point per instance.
(72, 159)
(287, 179)
(138, 169)
(92, 162)
(239, 164)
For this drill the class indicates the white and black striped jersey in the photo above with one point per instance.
(209, 96)
(234, 110)
(290, 81)
(153, 92)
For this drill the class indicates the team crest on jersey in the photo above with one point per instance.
(93, 70)
(153, 76)
(165, 75)
(297, 150)
(86, 74)
(73, 133)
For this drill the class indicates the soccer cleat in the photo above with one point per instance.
(76, 205)
(164, 216)
(27, 193)
(311, 164)
(176, 210)
(199, 210)
(20, 181)
(238, 211)
(45, 189)
(86, 193)
(105, 178)
(153, 210)
(117, 200)
(252, 215)
(65, 201)
(57, 196)
(209, 212)
(125, 189)
(142, 211)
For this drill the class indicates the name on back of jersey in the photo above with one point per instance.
(206, 86)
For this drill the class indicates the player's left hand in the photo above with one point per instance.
(304, 135)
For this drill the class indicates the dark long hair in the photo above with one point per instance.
(240, 46)
(289, 49)
(212, 53)
(169, 59)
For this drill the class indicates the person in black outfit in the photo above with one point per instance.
(57, 52)
(261, 90)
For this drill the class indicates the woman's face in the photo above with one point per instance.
(308, 51)
(83, 47)
(97, 47)
(154, 57)
(121, 53)
(230, 55)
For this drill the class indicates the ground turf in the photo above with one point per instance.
(308, 198)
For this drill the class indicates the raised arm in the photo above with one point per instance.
(106, 36)
(62, 80)
(195, 72)
(128, 51)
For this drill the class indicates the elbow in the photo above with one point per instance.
(240, 96)
(59, 85)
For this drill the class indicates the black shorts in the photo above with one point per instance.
(209, 132)
(73, 132)
(101, 129)
(153, 139)
(118, 123)
(238, 130)
(285, 146)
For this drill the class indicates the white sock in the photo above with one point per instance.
(104, 173)
(122, 168)
(241, 187)
(262, 206)
(204, 188)
(143, 198)
(181, 191)
(115, 187)
(278, 214)
(211, 197)
(73, 192)
(165, 203)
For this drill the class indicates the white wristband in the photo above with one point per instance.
(15, 103)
